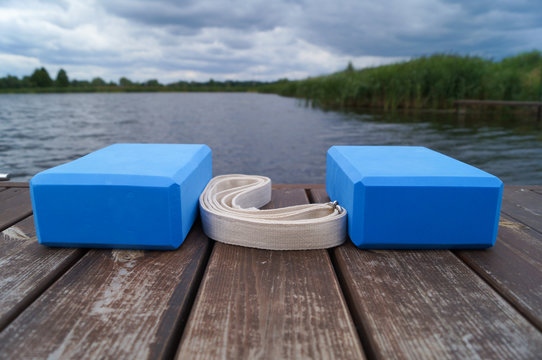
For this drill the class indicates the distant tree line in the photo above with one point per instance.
(425, 82)
(41, 81)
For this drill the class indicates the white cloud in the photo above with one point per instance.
(262, 40)
(17, 64)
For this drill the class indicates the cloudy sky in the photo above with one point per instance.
(263, 40)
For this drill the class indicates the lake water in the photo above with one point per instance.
(253, 133)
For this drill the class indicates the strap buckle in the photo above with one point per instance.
(335, 205)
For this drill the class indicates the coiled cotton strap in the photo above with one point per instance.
(229, 212)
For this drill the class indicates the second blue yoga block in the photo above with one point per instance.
(401, 197)
(136, 196)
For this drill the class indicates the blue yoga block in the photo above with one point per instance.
(401, 197)
(133, 196)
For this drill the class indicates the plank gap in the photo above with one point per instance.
(15, 220)
(495, 286)
(28, 268)
(256, 303)
(26, 302)
(14, 206)
(319, 195)
(524, 204)
(309, 196)
(513, 267)
(112, 304)
(178, 331)
(363, 334)
(14, 184)
(424, 307)
(521, 222)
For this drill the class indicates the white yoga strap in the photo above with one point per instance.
(229, 213)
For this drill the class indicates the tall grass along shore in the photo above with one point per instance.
(425, 82)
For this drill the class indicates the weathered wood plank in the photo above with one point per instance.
(298, 186)
(428, 304)
(14, 206)
(112, 304)
(270, 304)
(27, 268)
(513, 267)
(15, 184)
(523, 204)
(536, 188)
(9, 193)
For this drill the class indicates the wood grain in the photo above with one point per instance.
(27, 268)
(513, 267)
(536, 188)
(298, 186)
(429, 304)
(11, 192)
(14, 206)
(118, 304)
(270, 304)
(14, 184)
(523, 204)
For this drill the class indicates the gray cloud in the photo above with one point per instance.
(240, 39)
(400, 28)
(238, 14)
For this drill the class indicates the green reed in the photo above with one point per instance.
(426, 82)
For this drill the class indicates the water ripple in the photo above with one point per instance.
(252, 133)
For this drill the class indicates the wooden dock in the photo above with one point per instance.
(211, 300)
(461, 105)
